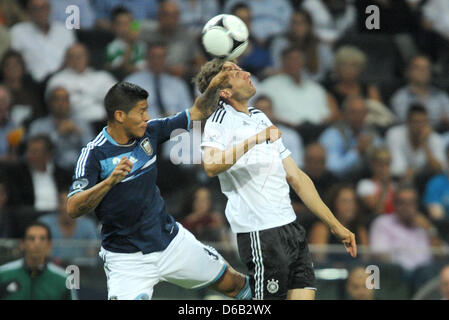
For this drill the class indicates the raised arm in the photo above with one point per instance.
(85, 201)
(207, 102)
(306, 190)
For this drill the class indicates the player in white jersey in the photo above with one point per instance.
(242, 147)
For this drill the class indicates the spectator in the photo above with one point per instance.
(7, 219)
(140, 9)
(436, 195)
(348, 142)
(345, 82)
(342, 202)
(331, 18)
(195, 13)
(444, 283)
(41, 42)
(419, 90)
(125, 54)
(6, 126)
(26, 97)
(416, 150)
(355, 286)
(297, 100)
(5, 41)
(377, 191)
(11, 13)
(160, 85)
(291, 139)
(87, 14)
(406, 236)
(436, 31)
(268, 17)
(63, 227)
(323, 179)
(205, 223)
(318, 55)
(86, 86)
(315, 167)
(68, 135)
(33, 277)
(35, 181)
(183, 51)
(256, 59)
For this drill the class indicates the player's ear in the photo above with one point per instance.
(225, 93)
(119, 116)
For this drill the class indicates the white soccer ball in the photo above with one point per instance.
(225, 36)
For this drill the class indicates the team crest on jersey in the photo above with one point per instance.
(146, 146)
(273, 286)
(80, 184)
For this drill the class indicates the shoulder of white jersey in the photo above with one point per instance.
(253, 110)
(99, 140)
(219, 115)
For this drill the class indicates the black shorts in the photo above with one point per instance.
(278, 260)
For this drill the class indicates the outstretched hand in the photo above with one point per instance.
(347, 238)
(221, 79)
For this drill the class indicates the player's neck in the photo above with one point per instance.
(241, 106)
(117, 133)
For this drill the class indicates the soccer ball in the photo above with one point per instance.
(225, 36)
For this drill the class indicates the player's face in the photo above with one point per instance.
(242, 87)
(135, 122)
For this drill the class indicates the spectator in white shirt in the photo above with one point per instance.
(268, 17)
(297, 100)
(415, 148)
(331, 18)
(86, 86)
(420, 90)
(41, 42)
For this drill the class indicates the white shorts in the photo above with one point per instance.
(185, 262)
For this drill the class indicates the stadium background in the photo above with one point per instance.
(406, 29)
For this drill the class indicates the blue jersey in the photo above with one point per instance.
(132, 213)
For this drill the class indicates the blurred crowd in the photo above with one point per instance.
(364, 112)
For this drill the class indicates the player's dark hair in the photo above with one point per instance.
(123, 96)
(118, 10)
(416, 108)
(239, 6)
(38, 224)
(207, 72)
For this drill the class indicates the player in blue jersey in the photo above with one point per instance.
(116, 176)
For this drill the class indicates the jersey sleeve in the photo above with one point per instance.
(214, 135)
(164, 128)
(87, 172)
(283, 151)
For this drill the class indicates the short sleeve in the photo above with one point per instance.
(87, 172)
(283, 151)
(214, 135)
(432, 192)
(164, 128)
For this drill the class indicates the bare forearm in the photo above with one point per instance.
(86, 201)
(306, 190)
(205, 104)
(220, 161)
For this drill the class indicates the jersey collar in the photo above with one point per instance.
(109, 138)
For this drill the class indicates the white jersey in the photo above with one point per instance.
(256, 185)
